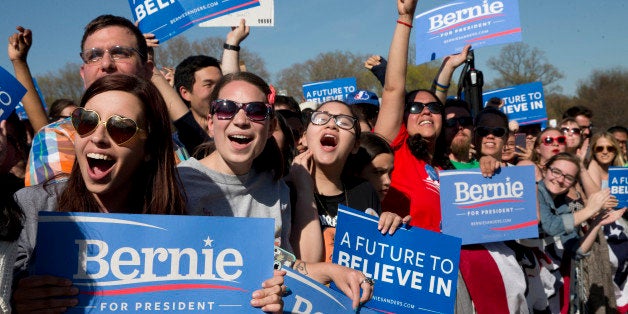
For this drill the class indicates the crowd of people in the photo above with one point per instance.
(205, 138)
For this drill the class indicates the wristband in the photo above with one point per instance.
(440, 85)
(231, 47)
(404, 23)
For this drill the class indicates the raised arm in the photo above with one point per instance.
(19, 45)
(230, 62)
(442, 81)
(391, 109)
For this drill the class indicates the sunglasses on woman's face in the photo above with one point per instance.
(120, 129)
(610, 149)
(417, 107)
(561, 140)
(483, 131)
(225, 109)
(574, 131)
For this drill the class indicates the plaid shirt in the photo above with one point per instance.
(52, 153)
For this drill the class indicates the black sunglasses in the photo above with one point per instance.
(483, 131)
(462, 121)
(225, 109)
(576, 131)
(120, 129)
(417, 107)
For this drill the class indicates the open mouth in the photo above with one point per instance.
(425, 122)
(329, 141)
(240, 139)
(100, 164)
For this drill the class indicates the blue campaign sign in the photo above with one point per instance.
(618, 183)
(11, 92)
(138, 263)
(309, 296)
(415, 270)
(168, 18)
(481, 210)
(320, 92)
(446, 29)
(523, 103)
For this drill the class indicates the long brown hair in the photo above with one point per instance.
(156, 188)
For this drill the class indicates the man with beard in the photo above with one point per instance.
(458, 125)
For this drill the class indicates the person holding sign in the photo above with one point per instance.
(412, 124)
(123, 165)
(605, 152)
(242, 177)
(559, 222)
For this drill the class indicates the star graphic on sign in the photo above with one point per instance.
(208, 241)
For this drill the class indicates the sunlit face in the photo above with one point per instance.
(547, 151)
(110, 37)
(330, 144)
(585, 124)
(604, 151)
(559, 177)
(239, 140)
(573, 139)
(108, 168)
(427, 124)
(621, 138)
(492, 145)
(458, 135)
(378, 173)
(508, 152)
(204, 81)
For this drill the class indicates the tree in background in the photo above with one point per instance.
(341, 64)
(179, 48)
(518, 64)
(65, 83)
(605, 94)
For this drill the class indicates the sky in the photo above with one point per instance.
(576, 36)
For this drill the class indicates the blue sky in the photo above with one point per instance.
(576, 36)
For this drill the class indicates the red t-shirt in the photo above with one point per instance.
(414, 188)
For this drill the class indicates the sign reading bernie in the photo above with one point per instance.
(481, 210)
(139, 263)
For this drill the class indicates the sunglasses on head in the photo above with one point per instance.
(575, 131)
(417, 107)
(462, 121)
(548, 140)
(483, 131)
(610, 149)
(120, 129)
(225, 109)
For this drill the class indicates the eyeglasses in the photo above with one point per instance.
(120, 129)
(560, 140)
(117, 53)
(462, 121)
(225, 109)
(569, 179)
(417, 107)
(610, 149)
(343, 121)
(483, 131)
(575, 131)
